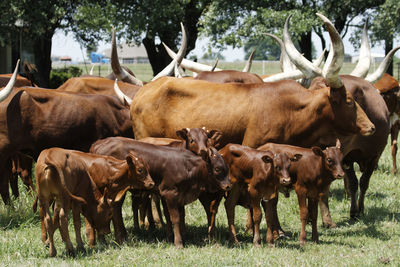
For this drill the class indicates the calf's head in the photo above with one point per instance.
(198, 140)
(103, 214)
(139, 172)
(218, 171)
(331, 159)
(281, 166)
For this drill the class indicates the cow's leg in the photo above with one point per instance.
(43, 234)
(352, 184)
(5, 174)
(14, 183)
(148, 211)
(364, 183)
(325, 213)
(230, 204)
(90, 233)
(257, 216)
(64, 228)
(168, 227)
(48, 226)
(175, 219)
(211, 203)
(182, 226)
(156, 210)
(119, 227)
(270, 208)
(301, 197)
(77, 226)
(394, 132)
(313, 209)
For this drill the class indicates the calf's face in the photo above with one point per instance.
(103, 215)
(281, 165)
(218, 170)
(139, 172)
(198, 140)
(331, 159)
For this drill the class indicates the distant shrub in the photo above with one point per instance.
(59, 76)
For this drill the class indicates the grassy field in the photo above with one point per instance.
(143, 70)
(372, 240)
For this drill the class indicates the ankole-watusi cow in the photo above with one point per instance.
(32, 119)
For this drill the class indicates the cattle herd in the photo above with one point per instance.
(221, 134)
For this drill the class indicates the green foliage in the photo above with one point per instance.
(59, 76)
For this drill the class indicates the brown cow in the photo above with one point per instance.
(32, 119)
(68, 177)
(254, 175)
(312, 176)
(20, 81)
(389, 89)
(180, 175)
(97, 85)
(229, 76)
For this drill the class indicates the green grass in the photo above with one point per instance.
(372, 240)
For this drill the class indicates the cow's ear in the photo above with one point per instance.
(296, 157)
(215, 137)
(131, 158)
(183, 134)
(317, 151)
(121, 194)
(338, 144)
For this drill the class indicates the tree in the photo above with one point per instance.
(39, 21)
(142, 21)
(235, 21)
(265, 49)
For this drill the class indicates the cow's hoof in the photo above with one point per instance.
(329, 225)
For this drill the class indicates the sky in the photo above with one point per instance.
(67, 46)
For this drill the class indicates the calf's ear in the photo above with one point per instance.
(131, 158)
(183, 134)
(120, 194)
(296, 157)
(338, 145)
(317, 151)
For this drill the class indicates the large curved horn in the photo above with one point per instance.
(215, 64)
(374, 77)
(286, 64)
(249, 62)
(364, 60)
(116, 67)
(177, 71)
(335, 57)
(188, 64)
(10, 85)
(91, 70)
(319, 60)
(169, 70)
(121, 96)
(303, 64)
(290, 75)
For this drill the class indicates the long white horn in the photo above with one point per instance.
(249, 62)
(121, 96)
(374, 77)
(177, 72)
(91, 70)
(364, 60)
(290, 75)
(10, 85)
(168, 70)
(335, 57)
(215, 65)
(303, 64)
(286, 64)
(116, 67)
(188, 64)
(319, 60)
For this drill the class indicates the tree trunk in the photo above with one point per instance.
(306, 45)
(157, 55)
(42, 53)
(388, 47)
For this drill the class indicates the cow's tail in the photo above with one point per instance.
(63, 185)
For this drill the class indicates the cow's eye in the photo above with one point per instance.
(278, 168)
(140, 170)
(350, 102)
(330, 161)
(217, 169)
(191, 141)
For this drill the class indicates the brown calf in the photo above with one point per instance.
(312, 176)
(69, 178)
(180, 175)
(254, 175)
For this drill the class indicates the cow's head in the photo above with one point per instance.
(331, 159)
(218, 171)
(199, 140)
(103, 214)
(139, 172)
(281, 166)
